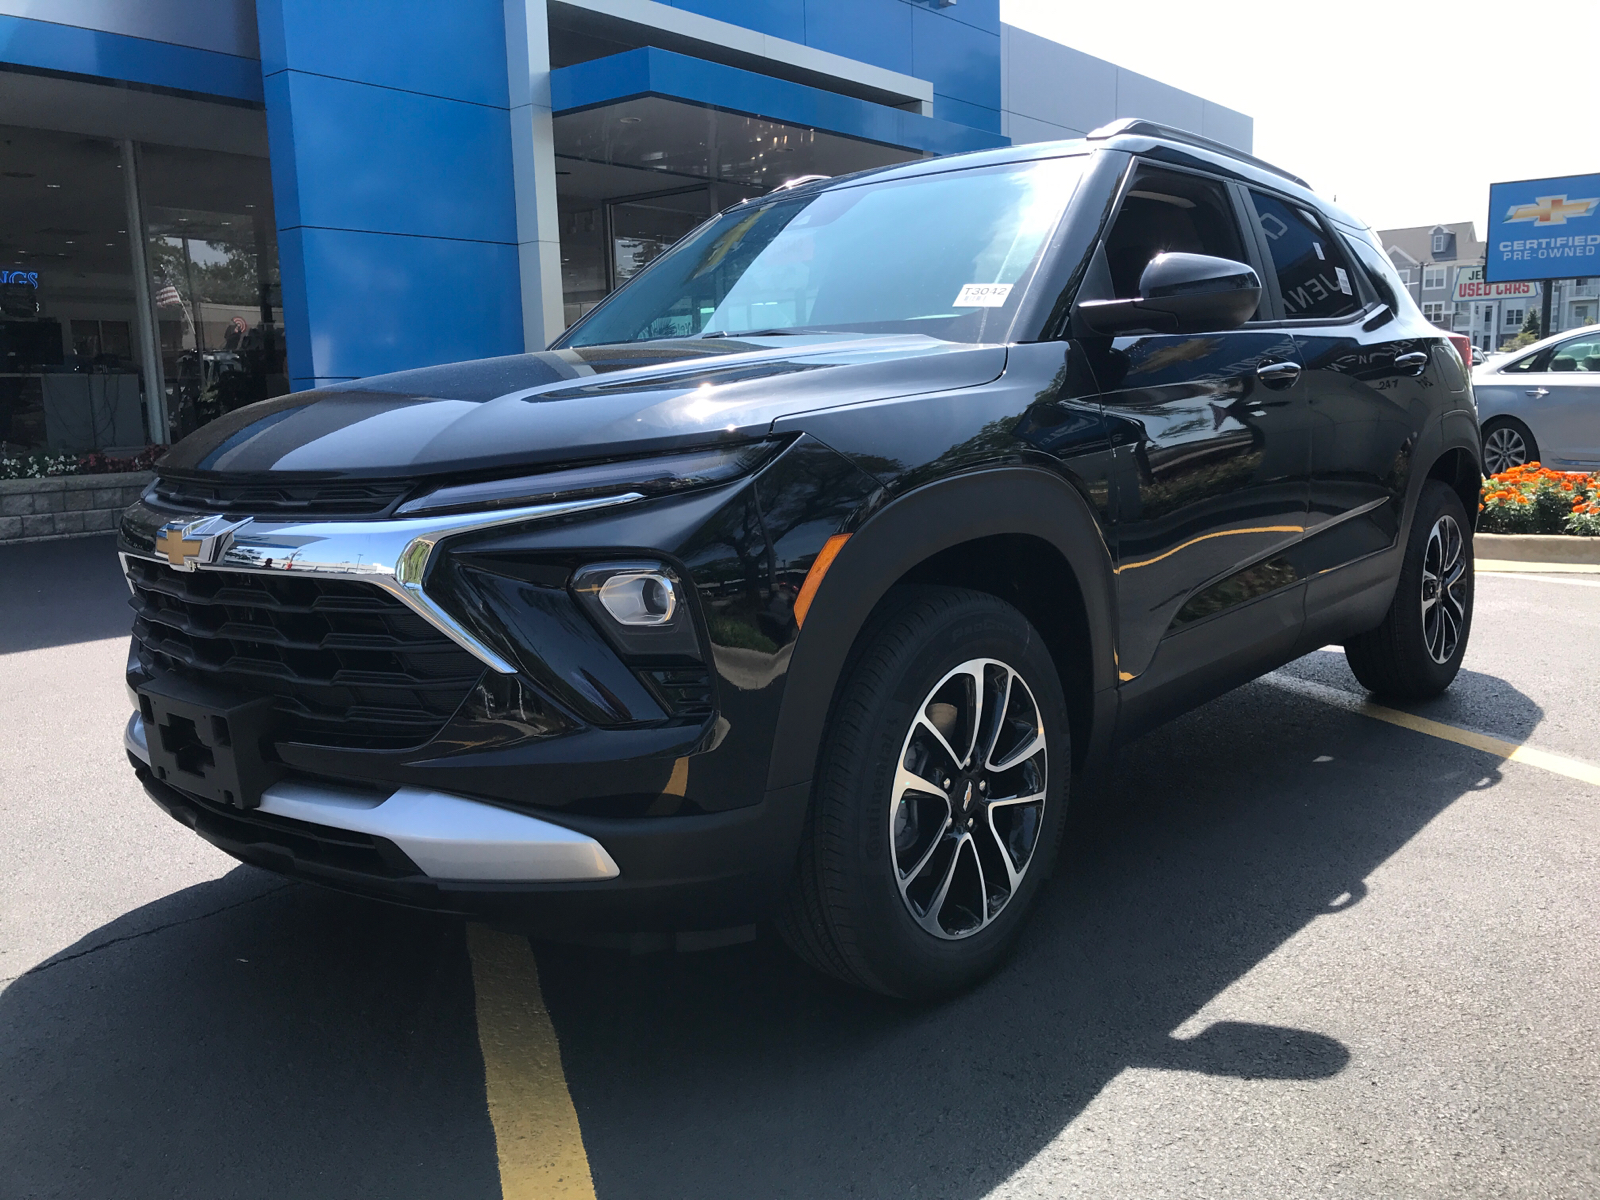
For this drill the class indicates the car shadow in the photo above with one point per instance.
(294, 1041)
(1215, 840)
(62, 592)
(247, 1037)
(1485, 703)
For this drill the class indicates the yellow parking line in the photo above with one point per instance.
(536, 1130)
(1558, 764)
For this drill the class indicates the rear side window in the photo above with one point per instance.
(1313, 274)
(1379, 270)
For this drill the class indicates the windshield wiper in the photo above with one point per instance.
(760, 333)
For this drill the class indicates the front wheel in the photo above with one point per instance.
(1417, 650)
(938, 806)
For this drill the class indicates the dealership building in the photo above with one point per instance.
(208, 202)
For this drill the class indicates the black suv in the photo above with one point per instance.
(799, 578)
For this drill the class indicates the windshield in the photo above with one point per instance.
(932, 254)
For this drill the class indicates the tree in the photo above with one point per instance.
(1529, 333)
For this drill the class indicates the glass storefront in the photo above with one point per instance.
(88, 364)
(212, 256)
(69, 356)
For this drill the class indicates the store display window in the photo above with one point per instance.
(87, 363)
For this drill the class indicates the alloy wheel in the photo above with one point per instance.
(1444, 589)
(1503, 449)
(968, 800)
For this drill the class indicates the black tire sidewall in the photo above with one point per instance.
(910, 655)
(1430, 677)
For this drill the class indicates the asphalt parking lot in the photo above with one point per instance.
(1289, 949)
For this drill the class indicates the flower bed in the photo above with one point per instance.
(51, 466)
(1533, 499)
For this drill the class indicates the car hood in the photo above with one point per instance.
(569, 405)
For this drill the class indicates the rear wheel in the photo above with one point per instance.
(1507, 443)
(1417, 650)
(938, 807)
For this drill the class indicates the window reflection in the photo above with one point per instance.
(214, 286)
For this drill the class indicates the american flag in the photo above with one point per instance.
(168, 297)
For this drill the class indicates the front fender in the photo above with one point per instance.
(937, 516)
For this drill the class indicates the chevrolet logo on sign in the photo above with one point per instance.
(1552, 210)
(187, 545)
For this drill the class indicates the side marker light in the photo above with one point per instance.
(808, 589)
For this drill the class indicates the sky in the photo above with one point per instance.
(1405, 112)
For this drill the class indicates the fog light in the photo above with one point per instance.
(643, 598)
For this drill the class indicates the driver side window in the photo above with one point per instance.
(1169, 211)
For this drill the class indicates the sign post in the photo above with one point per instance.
(1544, 309)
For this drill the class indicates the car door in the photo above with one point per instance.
(1562, 400)
(1371, 378)
(1210, 460)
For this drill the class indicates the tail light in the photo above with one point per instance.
(1463, 345)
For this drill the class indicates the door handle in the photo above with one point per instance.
(1414, 363)
(1537, 393)
(1278, 374)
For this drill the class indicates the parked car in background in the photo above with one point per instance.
(799, 579)
(1543, 404)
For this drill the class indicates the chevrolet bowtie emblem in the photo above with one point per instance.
(187, 545)
(1552, 210)
(181, 552)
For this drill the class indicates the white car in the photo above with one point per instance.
(1542, 404)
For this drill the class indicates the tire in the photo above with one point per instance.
(1417, 650)
(1507, 443)
(890, 893)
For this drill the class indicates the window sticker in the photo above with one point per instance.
(1317, 246)
(1344, 281)
(983, 295)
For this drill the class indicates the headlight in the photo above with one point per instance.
(640, 608)
(659, 476)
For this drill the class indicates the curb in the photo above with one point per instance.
(1544, 548)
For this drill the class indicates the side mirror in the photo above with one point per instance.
(1181, 293)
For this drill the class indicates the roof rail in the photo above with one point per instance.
(1137, 126)
(798, 181)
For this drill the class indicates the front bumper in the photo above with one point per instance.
(450, 853)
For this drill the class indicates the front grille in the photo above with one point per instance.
(368, 498)
(348, 664)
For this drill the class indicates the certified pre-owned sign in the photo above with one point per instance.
(1544, 229)
(1471, 285)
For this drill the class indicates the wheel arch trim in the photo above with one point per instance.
(1028, 501)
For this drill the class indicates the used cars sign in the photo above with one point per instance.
(1544, 228)
(1471, 285)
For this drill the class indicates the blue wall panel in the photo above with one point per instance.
(981, 14)
(51, 47)
(377, 303)
(961, 61)
(397, 162)
(946, 109)
(456, 49)
(871, 31)
(395, 202)
(660, 72)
